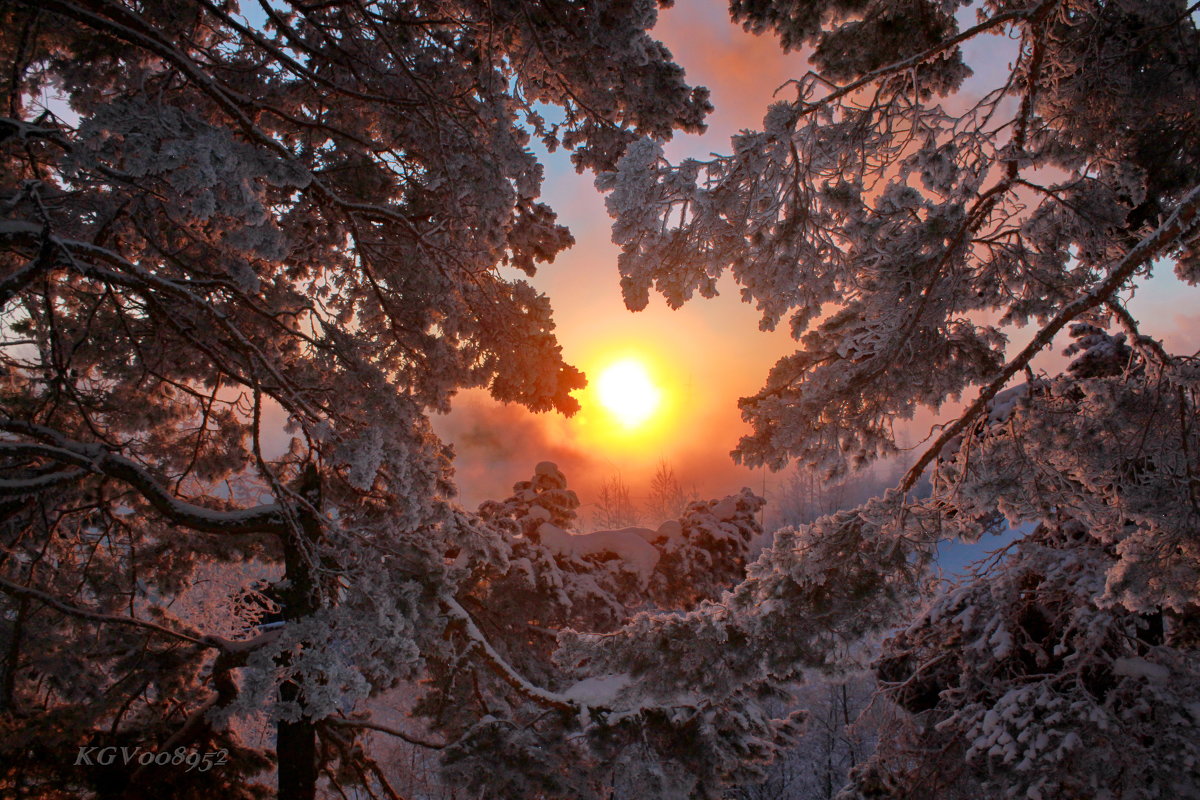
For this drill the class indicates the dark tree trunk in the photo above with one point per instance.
(296, 742)
(8, 668)
(296, 750)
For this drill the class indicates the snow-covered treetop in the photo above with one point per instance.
(900, 221)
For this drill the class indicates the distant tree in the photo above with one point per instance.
(615, 507)
(807, 494)
(900, 223)
(845, 721)
(226, 223)
(665, 498)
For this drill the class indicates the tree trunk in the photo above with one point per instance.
(296, 752)
(8, 668)
(296, 742)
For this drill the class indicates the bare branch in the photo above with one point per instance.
(364, 724)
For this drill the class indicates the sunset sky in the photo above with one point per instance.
(703, 357)
(706, 355)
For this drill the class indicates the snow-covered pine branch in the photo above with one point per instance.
(227, 225)
(902, 222)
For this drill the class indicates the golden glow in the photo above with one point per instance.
(627, 392)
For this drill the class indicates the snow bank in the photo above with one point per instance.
(601, 690)
(630, 545)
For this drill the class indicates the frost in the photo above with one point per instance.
(228, 225)
(364, 458)
(235, 225)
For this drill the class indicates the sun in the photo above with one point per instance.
(627, 392)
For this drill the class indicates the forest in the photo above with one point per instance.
(252, 251)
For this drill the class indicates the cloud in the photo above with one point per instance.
(741, 70)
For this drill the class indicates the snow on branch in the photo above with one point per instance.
(498, 665)
(17, 590)
(80, 256)
(258, 519)
(939, 48)
(21, 487)
(1180, 220)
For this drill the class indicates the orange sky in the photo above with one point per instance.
(707, 354)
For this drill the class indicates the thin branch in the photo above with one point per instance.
(925, 55)
(364, 724)
(1136, 338)
(17, 590)
(143, 281)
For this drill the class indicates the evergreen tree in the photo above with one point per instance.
(901, 223)
(226, 219)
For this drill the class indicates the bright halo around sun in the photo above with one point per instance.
(627, 392)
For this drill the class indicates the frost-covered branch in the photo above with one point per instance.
(99, 459)
(480, 644)
(1181, 219)
(80, 255)
(296, 225)
(943, 46)
(17, 590)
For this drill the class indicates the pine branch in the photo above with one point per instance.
(17, 590)
(95, 458)
(1184, 216)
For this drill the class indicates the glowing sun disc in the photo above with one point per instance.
(626, 391)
